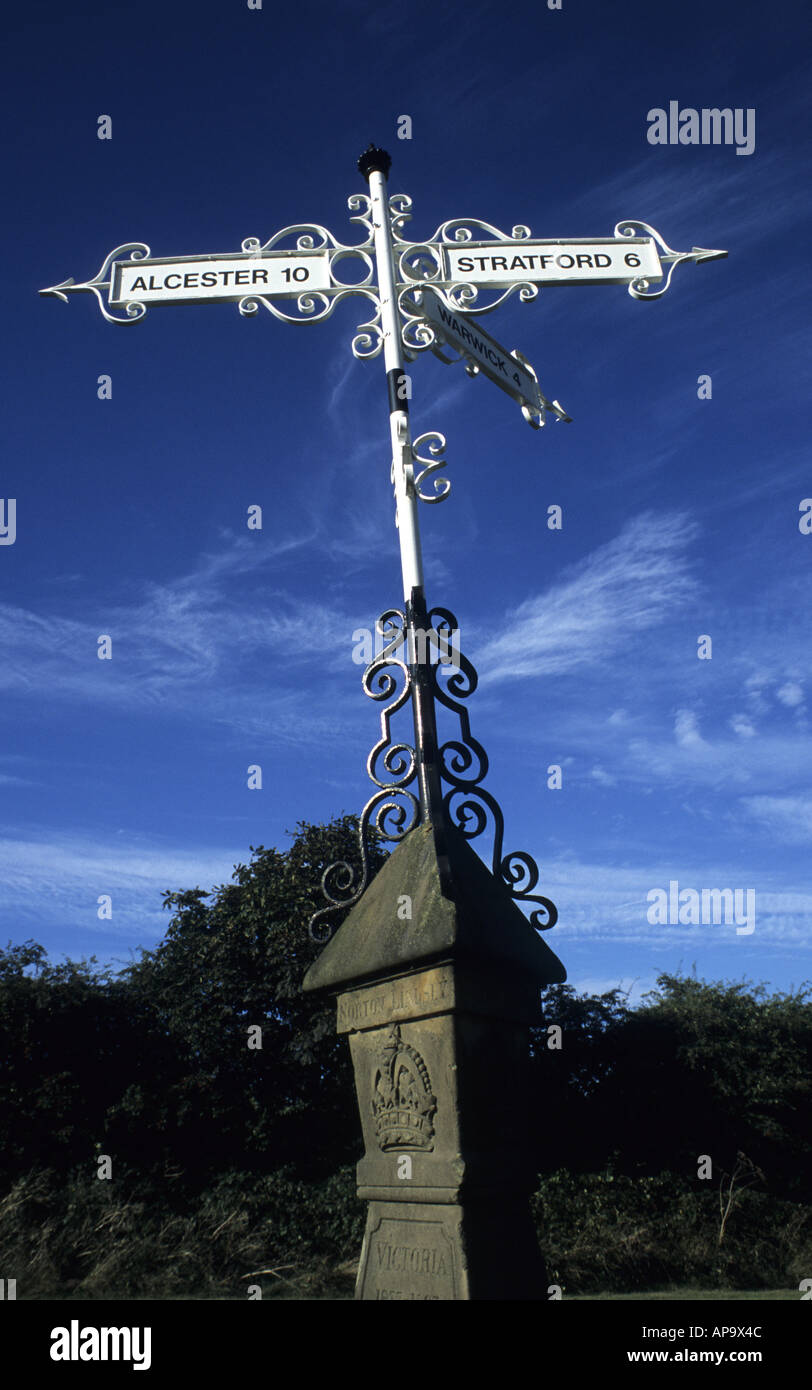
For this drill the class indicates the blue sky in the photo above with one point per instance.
(234, 647)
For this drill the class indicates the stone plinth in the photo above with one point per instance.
(437, 1010)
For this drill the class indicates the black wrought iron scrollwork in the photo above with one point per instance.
(467, 804)
(393, 810)
(462, 764)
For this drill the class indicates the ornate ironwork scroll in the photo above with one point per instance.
(467, 804)
(420, 263)
(136, 251)
(394, 810)
(308, 307)
(433, 460)
(639, 289)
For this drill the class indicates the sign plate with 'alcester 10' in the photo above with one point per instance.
(200, 279)
(612, 260)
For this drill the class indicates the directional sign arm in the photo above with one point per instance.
(298, 284)
(639, 289)
(133, 250)
(460, 263)
(440, 328)
(535, 417)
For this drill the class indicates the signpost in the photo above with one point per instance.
(422, 295)
(437, 1008)
(482, 353)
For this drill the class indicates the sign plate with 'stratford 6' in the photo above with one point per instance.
(200, 279)
(612, 260)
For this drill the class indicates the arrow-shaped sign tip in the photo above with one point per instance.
(700, 254)
(56, 290)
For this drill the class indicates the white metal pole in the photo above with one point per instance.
(411, 559)
(374, 164)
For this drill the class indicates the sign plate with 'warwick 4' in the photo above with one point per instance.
(510, 370)
(469, 338)
(611, 260)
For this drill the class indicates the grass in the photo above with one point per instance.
(688, 1294)
(685, 1294)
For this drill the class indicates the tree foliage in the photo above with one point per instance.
(701, 1068)
(153, 1066)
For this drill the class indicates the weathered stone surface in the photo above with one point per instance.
(437, 989)
(423, 1252)
(411, 1255)
(404, 996)
(448, 1091)
(480, 920)
(437, 1010)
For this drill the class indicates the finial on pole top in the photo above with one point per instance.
(374, 159)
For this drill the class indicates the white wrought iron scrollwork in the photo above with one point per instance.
(420, 263)
(639, 289)
(318, 305)
(133, 311)
(464, 296)
(435, 443)
(312, 236)
(400, 214)
(417, 334)
(452, 231)
(310, 307)
(363, 217)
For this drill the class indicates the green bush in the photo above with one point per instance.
(608, 1232)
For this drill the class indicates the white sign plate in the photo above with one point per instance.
(469, 338)
(200, 279)
(613, 261)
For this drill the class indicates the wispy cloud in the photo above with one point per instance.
(597, 901)
(625, 587)
(196, 633)
(788, 818)
(686, 730)
(56, 882)
(699, 763)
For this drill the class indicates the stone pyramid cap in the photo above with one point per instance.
(475, 917)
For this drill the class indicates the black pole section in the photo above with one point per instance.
(428, 771)
(374, 158)
(427, 759)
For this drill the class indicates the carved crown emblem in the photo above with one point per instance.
(402, 1102)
